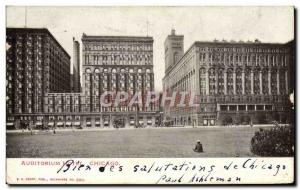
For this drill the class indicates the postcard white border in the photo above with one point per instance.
(184, 171)
(110, 2)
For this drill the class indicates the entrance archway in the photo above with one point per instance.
(245, 120)
(283, 119)
(227, 120)
(262, 119)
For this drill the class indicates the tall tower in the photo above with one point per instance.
(173, 49)
(76, 67)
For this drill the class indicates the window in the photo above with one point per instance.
(265, 85)
(88, 70)
(256, 82)
(282, 82)
(239, 87)
(247, 81)
(229, 81)
(176, 57)
(274, 82)
(221, 81)
(212, 81)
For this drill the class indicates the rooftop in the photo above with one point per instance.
(240, 42)
(116, 38)
(224, 42)
(42, 30)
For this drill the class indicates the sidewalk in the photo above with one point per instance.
(65, 130)
(237, 126)
(132, 128)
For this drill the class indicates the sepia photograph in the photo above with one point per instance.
(150, 82)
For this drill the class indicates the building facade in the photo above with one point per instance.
(234, 82)
(64, 109)
(117, 64)
(114, 64)
(36, 64)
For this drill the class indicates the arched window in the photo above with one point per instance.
(121, 80)
(105, 81)
(113, 79)
(176, 57)
(88, 70)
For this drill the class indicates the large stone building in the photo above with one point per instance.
(234, 82)
(117, 63)
(36, 64)
(110, 63)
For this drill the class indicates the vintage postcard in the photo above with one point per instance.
(150, 95)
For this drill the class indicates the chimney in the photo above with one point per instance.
(173, 32)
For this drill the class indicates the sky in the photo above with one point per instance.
(268, 24)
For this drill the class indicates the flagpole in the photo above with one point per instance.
(25, 16)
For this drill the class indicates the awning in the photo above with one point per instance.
(97, 123)
(38, 123)
(51, 123)
(131, 122)
(105, 122)
(88, 123)
(77, 123)
(59, 123)
(141, 121)
(149, 121)
(68, 123)
(9, 124)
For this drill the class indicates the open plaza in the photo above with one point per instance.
(234, 141)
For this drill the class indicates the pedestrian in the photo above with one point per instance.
(198, 147)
